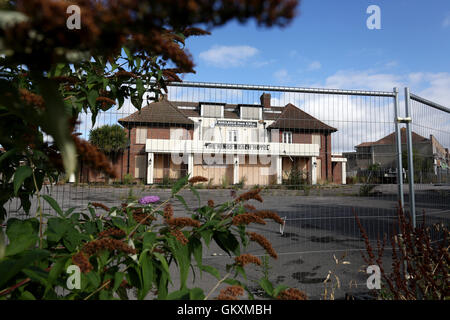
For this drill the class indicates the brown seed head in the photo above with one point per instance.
(263, 242)
(182, 222)
(245, 259)
(292, 294)
(266, 214)
(180, 236)
(252, 194)
(100, 205)
(247, 218)
(82, 262)
(197, 179)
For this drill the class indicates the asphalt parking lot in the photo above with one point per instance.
(318, 226)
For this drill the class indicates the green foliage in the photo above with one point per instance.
(128, 179)
(146, 270)
(109, 138)
(296, 180)
(366, 189)
(225, 183)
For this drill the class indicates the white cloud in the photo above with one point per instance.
(228, 56)
(260, 64)
(282, 75)
(366, 79)
(446, 22)
(315, 65)
(391, 64)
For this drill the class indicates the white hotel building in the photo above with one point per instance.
(229, 143)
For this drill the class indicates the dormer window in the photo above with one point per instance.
(211, 110)
(251, 112)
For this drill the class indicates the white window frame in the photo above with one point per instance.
(141, 135)
(233, 135)
(286, 137)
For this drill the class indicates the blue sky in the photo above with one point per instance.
(329, 45)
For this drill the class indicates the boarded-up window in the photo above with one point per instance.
(140, 166)
(251, 113)
(179, 134)
(212, 110)
(141, 135)
(316, 139)
(287, 137)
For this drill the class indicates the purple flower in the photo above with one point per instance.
(148, 199)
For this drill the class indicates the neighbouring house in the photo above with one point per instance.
(431, 158)
(258, 144)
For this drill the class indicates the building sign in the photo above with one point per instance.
(231, 123)
(236, 146)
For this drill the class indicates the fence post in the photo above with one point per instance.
(399, 150)
(412, 197)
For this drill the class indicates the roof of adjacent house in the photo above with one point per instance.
(294, 118)
(178, 112)
(162, 111)
(390, 139)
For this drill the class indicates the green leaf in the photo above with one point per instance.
(182, 294)
(149, 239)
(57, 228)
(54, 122)
(27, 295)
(195, 248)
(196, 294)
(227, 242)
(128, 53)
(182, 256)
(278, 289)
(163, 261)
(266, 285)
(181, 199)
(94, 278)
(52, 202)
(36, 275)
(147, 274)
(91, 97)
(22, 235)
(211, 270)
(118, 278)
(119, 223)
(20, 175)
(9, 267)
(179, 184)
(6, 154)
(207, 235)
(195, 192)
(56, 271)
(140, 87)
(162, 287)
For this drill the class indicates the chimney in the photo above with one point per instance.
(265, 100)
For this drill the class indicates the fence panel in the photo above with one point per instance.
(321, 156)
(430, 139)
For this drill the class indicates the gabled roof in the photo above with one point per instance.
(390, 139)
(294, 118)
(162, 111)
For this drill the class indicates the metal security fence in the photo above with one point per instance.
(429, 143)
(320, 155)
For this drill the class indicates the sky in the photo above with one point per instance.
(329, 45)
